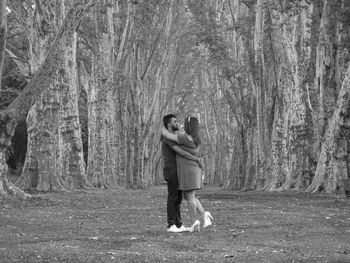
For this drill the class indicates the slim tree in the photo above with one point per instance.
(3, 35)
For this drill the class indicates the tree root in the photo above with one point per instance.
(7, 188)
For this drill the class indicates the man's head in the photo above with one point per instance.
(170, 122)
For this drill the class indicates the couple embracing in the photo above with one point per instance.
(182, 172)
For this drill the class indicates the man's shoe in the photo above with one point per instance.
(183, 228)
(174, 229)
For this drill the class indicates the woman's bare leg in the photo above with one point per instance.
(199, 207)
(192, 204)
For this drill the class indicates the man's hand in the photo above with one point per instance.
(201, 163)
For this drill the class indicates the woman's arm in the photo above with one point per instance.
(170, 136)
(185, 152)
(175, 138)
(187, 155)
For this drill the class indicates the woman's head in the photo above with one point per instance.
(192, 128)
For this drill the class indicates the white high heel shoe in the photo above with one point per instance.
(207, 219)
(195, 225)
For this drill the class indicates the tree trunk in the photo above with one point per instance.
(333, 165)
(54, 158)
(310, 98)
(70, 145)
(102, 157)
(327, 84)
(258, 85)
(41, 169)
(19, 108)
(134, 132)
(295, 107)
(251, 153)
(278, 174)
(3, 35)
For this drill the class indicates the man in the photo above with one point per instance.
(169, 150)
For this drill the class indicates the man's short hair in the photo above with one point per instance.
(167, 119)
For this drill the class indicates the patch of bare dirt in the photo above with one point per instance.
(130, 226)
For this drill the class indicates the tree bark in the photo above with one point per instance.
(102, 157)
(70, 144)
(41, 169)
(333, 164)
(54, 159)
(258, 86)
(3, 36)
(327, 85)
(19, 108)
(295, 107)
(278, 151)
(326, 67)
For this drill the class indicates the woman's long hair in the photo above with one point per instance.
(192, 128)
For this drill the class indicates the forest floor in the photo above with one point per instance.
(130, 226)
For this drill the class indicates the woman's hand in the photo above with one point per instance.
(164, 131)
(170, 136)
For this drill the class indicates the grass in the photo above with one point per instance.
(130, 226)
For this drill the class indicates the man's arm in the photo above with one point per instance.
(193, 151)
(186, 155)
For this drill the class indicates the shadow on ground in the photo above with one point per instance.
(130, 226)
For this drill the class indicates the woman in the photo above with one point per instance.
(189, 172)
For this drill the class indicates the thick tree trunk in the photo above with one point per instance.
(19, 108)
(102, 157)
(54, 158)
(327, 84)
(333, 165)
(70, 142)
(42, 164)
(42, 158)
(310, 98)
(295, 108)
